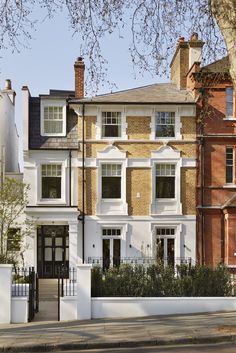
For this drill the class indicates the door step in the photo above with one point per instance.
(48, 289)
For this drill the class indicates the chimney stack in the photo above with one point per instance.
(186, 54)
(79, 77)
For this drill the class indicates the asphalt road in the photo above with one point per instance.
(209, 348)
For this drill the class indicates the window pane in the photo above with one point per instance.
(51, 188)
(171, 251)
(229, 101)
(53, 119)
(160, 249)
(106, 253)
(111, 124)
(116, 252)
(48, 254)
(165, 187)
(111, 187)
(229, 165)
(165, 124)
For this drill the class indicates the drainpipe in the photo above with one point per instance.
(83, 184)
(69, 177)
(202, 177)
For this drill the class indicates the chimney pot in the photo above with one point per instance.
(80, 58)
(194, 36)
(8, 84)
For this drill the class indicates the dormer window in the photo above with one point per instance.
(229, 102)
(53, 118)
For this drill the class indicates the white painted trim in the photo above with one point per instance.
(111, 108)
(178, 124)
(52, 103)
(166, 154)
(131, 162)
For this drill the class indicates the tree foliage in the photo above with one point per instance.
(154, 27)
(13, 200)
(160, 281)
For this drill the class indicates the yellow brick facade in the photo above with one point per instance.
(138, 191)
(141, 149)
(188, 130)
(138, 128)
(188, 193)
(139, 180)
(90, 190)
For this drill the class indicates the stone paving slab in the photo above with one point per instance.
(104, 333)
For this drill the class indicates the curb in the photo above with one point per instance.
(124, 344)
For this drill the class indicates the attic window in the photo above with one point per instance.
(53, 118)
(229, 102)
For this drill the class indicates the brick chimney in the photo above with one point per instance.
(79, 77)
(186, 54)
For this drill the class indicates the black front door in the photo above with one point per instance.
(53, 250)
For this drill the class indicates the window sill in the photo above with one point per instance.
(228, 186)
(63, 134)
(229, 119)
(51, 202)
(111, 200)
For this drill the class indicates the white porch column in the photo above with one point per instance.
(73, 244)
(5, 293)
(84, 291)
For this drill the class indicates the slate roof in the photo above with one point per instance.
(221, 65)
(166, 93)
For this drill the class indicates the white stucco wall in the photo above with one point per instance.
(8, 132)
(139, 232)
(137, 307)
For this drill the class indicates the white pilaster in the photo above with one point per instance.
(73, 243)
(84, 291)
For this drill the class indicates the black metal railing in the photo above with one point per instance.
(66, 285)
(20, 282)
(25, 284)
(146, 261)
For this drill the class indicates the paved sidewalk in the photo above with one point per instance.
(153, 330)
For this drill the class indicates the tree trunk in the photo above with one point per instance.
(224, 11)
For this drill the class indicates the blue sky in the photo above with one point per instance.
(48, 63)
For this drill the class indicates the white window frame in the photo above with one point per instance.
(165, 164)
(52, 103)
(165, 237)
(178, 124)
(118, 119)
(51, 201)
(179, 240)
(118, 176)
(166, 155)
(112, 109)
(111, 155)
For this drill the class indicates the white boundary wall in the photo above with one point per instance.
(136, 307)
(19, 310)
(82, 306)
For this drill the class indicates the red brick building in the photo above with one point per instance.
(216, 181)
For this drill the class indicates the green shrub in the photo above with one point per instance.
(159, 281)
